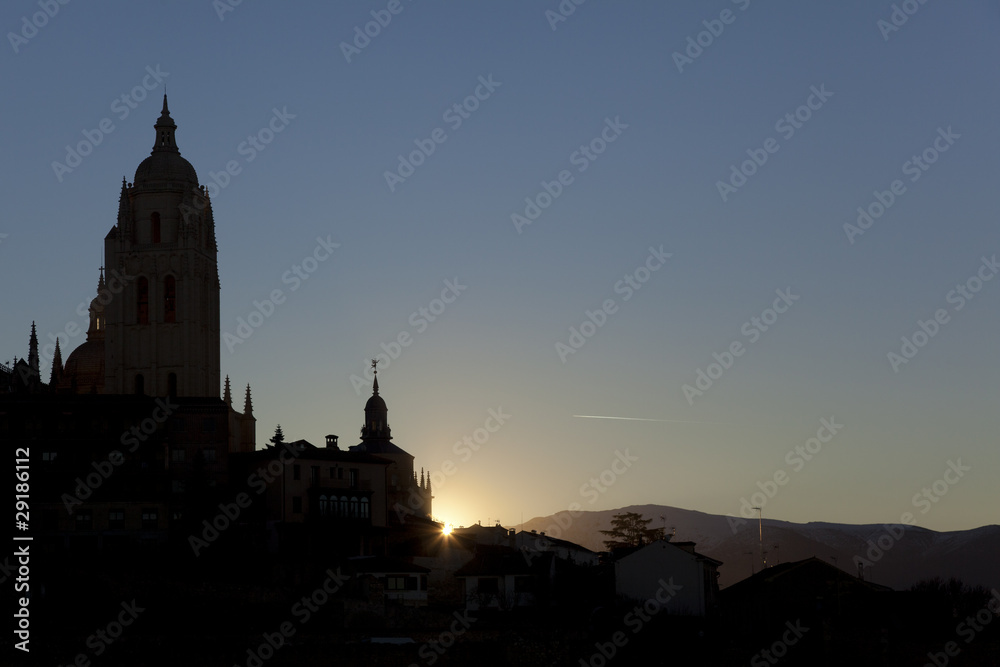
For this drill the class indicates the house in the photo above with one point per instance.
(400, 582)
(815, 592)
(639, 571)
(480, 534)
(536, 543)
(443, 554)
(499, 577)
(323, 491)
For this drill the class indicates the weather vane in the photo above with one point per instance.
(374, 364)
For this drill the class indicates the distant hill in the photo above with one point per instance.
(970, 555)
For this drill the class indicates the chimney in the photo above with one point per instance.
(331, 442)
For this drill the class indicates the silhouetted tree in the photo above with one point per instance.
(953, 595)
(278, 438)
(630, 530)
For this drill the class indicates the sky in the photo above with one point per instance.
(625, 194)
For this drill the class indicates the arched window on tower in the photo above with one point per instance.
(142, 301)
(169, 299)
(156, 227)
(140, 385)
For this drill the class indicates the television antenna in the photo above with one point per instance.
(760, 531)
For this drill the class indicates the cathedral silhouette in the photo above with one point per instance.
(131, 446)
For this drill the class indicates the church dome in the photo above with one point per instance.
(165, 167)
(84, 370)
(375, 404)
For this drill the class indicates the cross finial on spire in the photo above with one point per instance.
(375, 373)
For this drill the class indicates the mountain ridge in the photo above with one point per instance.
(893, 554)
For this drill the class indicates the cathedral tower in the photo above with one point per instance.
(162, 330)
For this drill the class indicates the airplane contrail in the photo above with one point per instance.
(644, 419)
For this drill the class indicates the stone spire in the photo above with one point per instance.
(228, 396)
(248, 405)
(165, 128)
(124, 227)
(57, 367)
(33, 351)
(97, 318)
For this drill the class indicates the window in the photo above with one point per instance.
(177, 486)
(49, 456)
(116, 519)
(364, 508)
(150, 519)
(142, 301)
(84, 520)
(169, 299)
(208, 454)
(314, 475)
(355, 507)
(297, 505)
(296, 472)
(324, 505)
(155, 220)
(177, 455)
(140, 385)
(340, 473)
(401, 583)
(172, 385)
(333, 474)
(343, 506)
(354, 478)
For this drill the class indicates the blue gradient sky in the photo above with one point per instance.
(655, 185)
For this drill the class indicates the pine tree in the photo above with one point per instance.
(630, 530)
(278, 438)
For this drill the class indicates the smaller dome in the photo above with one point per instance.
(84, 370)
(376, 404)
